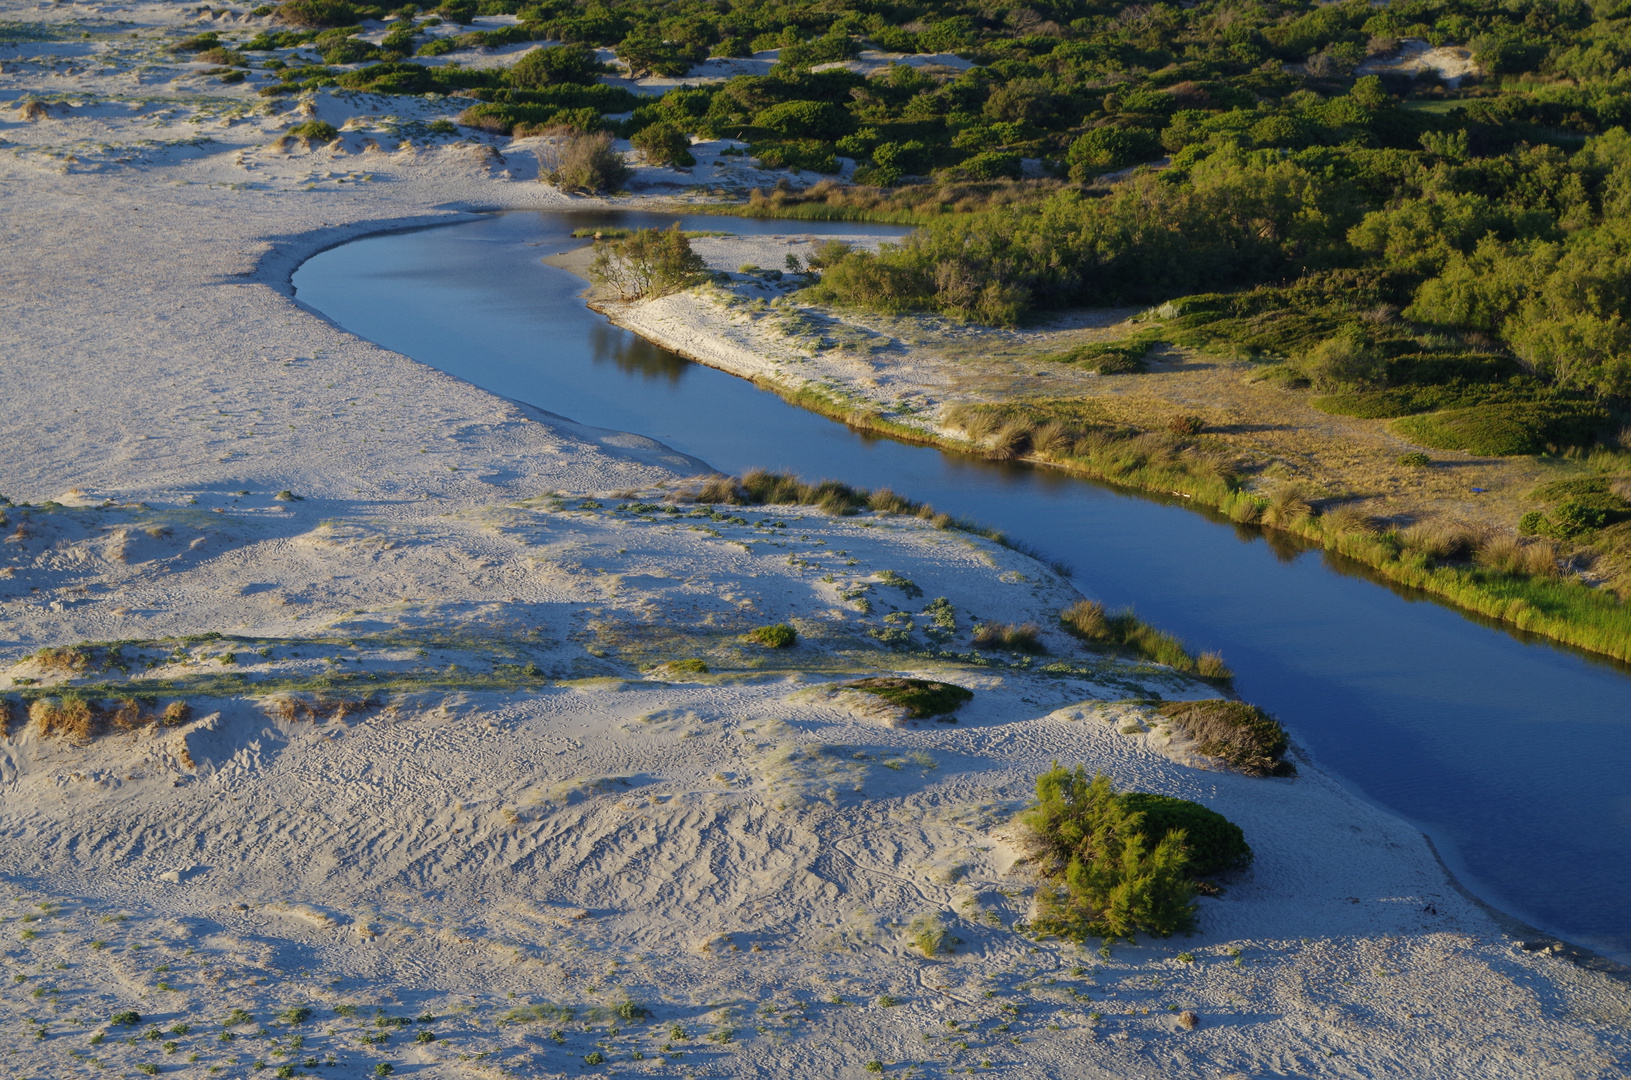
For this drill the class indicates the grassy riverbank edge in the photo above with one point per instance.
(1566, 611)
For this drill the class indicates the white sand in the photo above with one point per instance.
(737, 851)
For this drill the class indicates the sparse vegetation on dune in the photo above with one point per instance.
(923, 699)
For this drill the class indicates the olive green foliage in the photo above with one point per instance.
(775, 636)
(1240, 734)
(1087, 620)
(1579, 506)
(554, 66)
(646, 263)
(326, 12)
(921, 698)
(664, 143)
(587, 163)
(315, 131)
(1215, 844)
(1105, 873)
(1009, 637)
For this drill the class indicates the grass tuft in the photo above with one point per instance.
(921, 698)
(1243, 735)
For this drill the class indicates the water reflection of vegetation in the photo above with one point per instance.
(634, 355)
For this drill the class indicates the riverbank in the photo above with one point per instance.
(1258, 455)
(435, 778)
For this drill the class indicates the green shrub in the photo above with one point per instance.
(991, 165)
(437, 47)
(811, 154)
(1415, 459)
(1243, 735)
(319, 13)
(350, 51)
(1107, 148)
(1104, 876)
(664, 144)
(555, 65)
(921, 698)
(775, 636)
(127, 1018)
(647, 263)
(315, 131)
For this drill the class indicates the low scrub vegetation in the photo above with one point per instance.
(585, 163)
(1009, 637)
(1241, 735)
(775, 636)
(1087, 620)
(922, 699)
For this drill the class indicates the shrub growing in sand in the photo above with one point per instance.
(1106, 873)
(1215, 844)
(775, 636)
(921, 698)
(647, 263)
(314, 131)
(1242, 735)
(927, 934)
(585, 163)
(664, 143)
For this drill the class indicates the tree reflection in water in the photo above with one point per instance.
(634, 355)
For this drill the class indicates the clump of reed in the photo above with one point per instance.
(1241, 735)
(1087, 620)
(1507, 554)
(1010, 637)
(1444, 541)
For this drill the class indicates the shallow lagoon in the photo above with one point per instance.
(1511, 754)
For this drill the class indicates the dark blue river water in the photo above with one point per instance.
(1512, 755)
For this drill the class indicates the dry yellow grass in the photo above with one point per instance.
(65, 718)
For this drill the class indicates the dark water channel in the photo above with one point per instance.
(1513, 755)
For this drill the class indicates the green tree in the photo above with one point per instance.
(648, 263)
(1106, 879)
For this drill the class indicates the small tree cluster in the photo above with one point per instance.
(1105, 878)
(646, 263)
(664, 143)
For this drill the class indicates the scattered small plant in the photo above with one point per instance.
(927, 934)
(1415, 459)
(127, 1018)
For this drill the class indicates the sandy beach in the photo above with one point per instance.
(492, 760)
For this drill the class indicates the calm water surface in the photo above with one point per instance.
(1512, 755)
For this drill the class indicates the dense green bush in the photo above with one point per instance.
(1106, 875)
(921, 698)
(552, 66)
(325, 13)
(775, 636)
(1505, 429)
(1215, 845)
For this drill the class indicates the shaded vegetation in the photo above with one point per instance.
(921, 698)
(1242, 735)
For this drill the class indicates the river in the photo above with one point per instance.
(1511, 754)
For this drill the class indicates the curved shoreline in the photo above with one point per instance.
(1455, 588)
